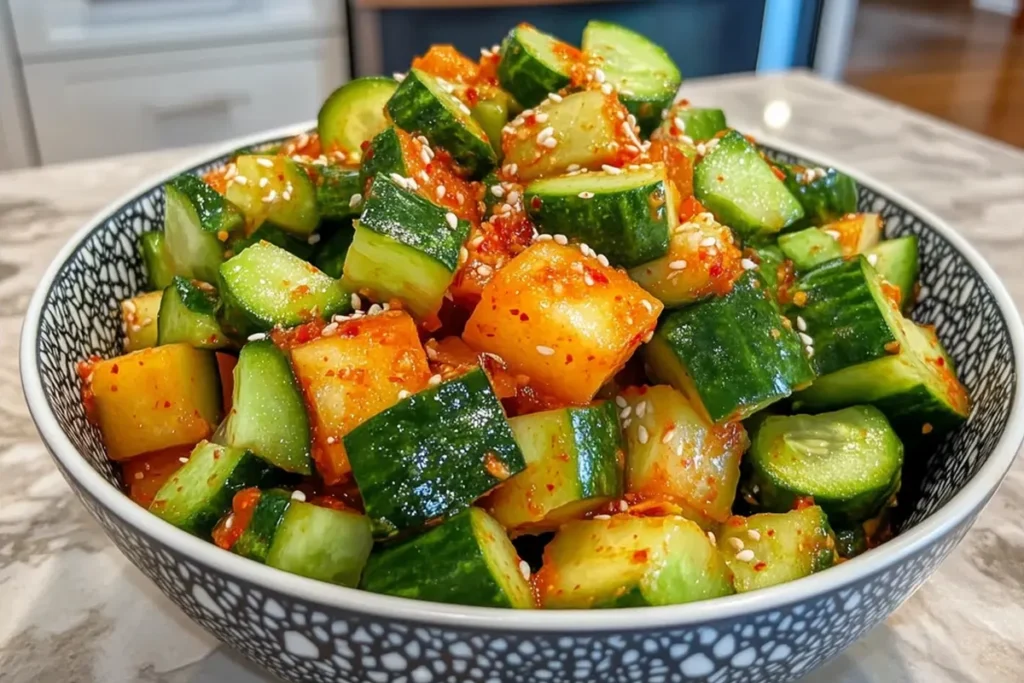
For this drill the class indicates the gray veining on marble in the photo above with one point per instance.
(73, 610)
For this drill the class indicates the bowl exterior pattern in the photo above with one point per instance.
(307, 641)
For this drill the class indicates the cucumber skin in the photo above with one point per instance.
(825, 199)
(335, 187)
(384, 156)
(329, 120)
(159, 270)
(400, 451)
(255, 541)
(268, 232)
(898, 262)
(630, 227)
(771, 368)
(200, 314)
(842, 315)
(214, 211)
(770, 257)
(321, 543)
(414, 108)
(701, 124)
(808, 248)
(527, 78)
(457, 574)
(597, 434)
(331, 256)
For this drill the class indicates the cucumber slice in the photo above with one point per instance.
(534, 64)
(155, 399)
(856, 232)
(754, 360)
(195, 220)
(573, 465)
(809, 248)
(848, 461)
(200, 492)
(470, 561)
(255, 541)
(626, 216)
(772, 265)
(896, 260)
(276, 189)
(644, 75)
(268, 232)
(785, 547)
(335, 188)
(629, 561)
(410, 472)
(587, 130)
(188, 313)
(331, 256)
(384, 156)
(825, 195)
(268, 415)
(492, 114)
(265, 286)
(139, 320)
(739, 187)
(159, 269)
(321, 543)
(673, 453)
(405, 247)
(354, 113)
(698, 124)
(421, 104)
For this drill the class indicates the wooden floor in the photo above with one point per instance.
(942, 57)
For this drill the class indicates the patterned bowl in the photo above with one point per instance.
(304, 630)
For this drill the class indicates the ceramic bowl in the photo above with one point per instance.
(304, 630)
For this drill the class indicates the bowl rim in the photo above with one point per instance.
(969, 499)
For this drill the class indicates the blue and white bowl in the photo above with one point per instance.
(304, 630)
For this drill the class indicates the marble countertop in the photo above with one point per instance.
(72, 609)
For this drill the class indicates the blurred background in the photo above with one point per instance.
(87, 78)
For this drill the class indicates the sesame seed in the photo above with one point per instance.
(498, 191)
(399, 180)
(748, 264)
(398, 76)
(834, 234)
(331, 440)
(801, 324)
(602, 517)
(708, 242)
(572, 167)
(329, 330)
(647, 304)
(357, 303)
(230, 522)
(453, 220)
(431, 352)
(354, 200)
(873, 259)
(484, 270)
(806, 338)
(182, 459)
(810, 351)
(542, 238)
(736, 543)
(677, 265)
(626, 423)
(603, 260)
(412, 184)
(607, 88)
(626, 412)
(403, 394)
(668, 436)
(271, 196)
(577, 267)
(745, 555)
(313, 239)
(241, 180)
(374, 309)
(561, 239)
(754, 534)
(440, 191)
(633, 149)
(623, 506)
(550, 143)
(554, 97)
(679, 123)
(130, 306)
(585, 195)
(511, 169)
(611, 169)
(460, 198)
(299, 496)
(257, 336)
(599, 75)
(712, 538)
(463, 254)
(264, 162)
(476, 241)
(545, 134)
(641, 434)
(621, 402)
(464, 109)
(513, 197)
(545, 351)
(434, 380)
(588, 279)
(641, 408)
(541, 117)
(505, 208)
(263, 182)
(524, 569)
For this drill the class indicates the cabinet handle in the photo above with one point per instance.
(173, 110)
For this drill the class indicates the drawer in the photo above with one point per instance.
(100, 107)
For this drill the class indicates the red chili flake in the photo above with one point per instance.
(760, 566)
(551, 487)
(113, 387)
(778, 172)
(640, 557)
(715, 270)
(771, 533)
(568, 358)
(535, 203)
(113, 369)
(940, 361)
(524, 317)
(167, 404)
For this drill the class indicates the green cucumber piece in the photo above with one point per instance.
(195, 217)
(404, 247)
(755, 359)
(139, 317)
(336, 186)
(384, 156)
(265, 286)
(255, 541)
(809, 248)
(644, 75)
(573, 465)
(896, 260)
(200, 492)
(534, 64)
(698, 124)
(331, 256)
(159, 268)
(268, 415)
(492, 114)
(626, 561)
(785, 547)
(848, 461)
(275, 188)
(354, 113)
(188, 313)
(321, 543)
(467, 560)
(410, 472)
(770, 259)
(423, 105)
(673, 453)
(738, 186)
(825, 195)
(268, 232)
(625, 216)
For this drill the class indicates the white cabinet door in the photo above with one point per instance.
(116, 105)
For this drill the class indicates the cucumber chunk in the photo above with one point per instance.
(270, 508)
(534, 64)
(265, 286)
(139, 320)
(809, 248)
(277, 189)
(335, 188)
(731, 356)
(739, 187)
(467, 560)
(195, 220)
(200, 493)
(422, 104)
(626, 216)
(405, 247)
(825, 195)
(492, 113)
(644, 75)
(321, 543)
(679, 456)
(698, 124)
(573, 465)
(848, 461)
(384, 156)
(354, 113)
(268, 232)
(188, 313)
(896, 260)
(268, 415)
(410, 472)
(159, 268)
(331, 256)
(773, 266)
(629, 561)
(785, 547)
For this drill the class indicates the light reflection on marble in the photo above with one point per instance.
(73, 609)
